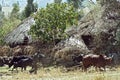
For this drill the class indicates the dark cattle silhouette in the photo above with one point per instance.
(7, 60)
(1, 62)
(97, 61)
(23, 63)
(77, 59)
(36, 59)
(16, 59)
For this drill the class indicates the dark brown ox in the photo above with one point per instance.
(98, 61)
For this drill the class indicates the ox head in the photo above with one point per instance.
(38, 56)
(10, 62)
(1, 62)
(6, 60)
(78, 58)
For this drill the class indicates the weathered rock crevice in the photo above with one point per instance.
(96, 32)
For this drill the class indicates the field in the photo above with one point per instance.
(52, 73)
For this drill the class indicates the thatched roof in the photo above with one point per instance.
(18, 34)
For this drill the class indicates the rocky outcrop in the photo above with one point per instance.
(96, 32)
(20, 35)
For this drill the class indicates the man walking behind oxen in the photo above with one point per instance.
(36, 59)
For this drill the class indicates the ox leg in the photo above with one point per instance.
(25, 68)
(99, 68)
(13, 68)
(104, 68)
(96, 68)
(34, 69)
(85, 68)
(22, 69)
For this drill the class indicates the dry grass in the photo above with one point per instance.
(52, 73)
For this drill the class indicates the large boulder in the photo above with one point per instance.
(19, 36)
(65, 56)
(95, 33)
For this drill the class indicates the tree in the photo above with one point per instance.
(76, 3)
(30, 8)
(22, 15)
(0, 8)
(15, 11)
(57, 1)
(1, 16)
(52, 21)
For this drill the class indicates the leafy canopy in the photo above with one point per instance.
(76, 3)
(52, 21)
(30, 8)
(15, 11)
(8, 25)
(0, 8)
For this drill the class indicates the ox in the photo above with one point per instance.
(98, 61)
(1, 62)
(36, 59)
(16, 59)
(7, 60)
(77, 59)
(23, 63)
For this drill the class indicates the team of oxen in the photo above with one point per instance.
(98, 61)
(22, 61)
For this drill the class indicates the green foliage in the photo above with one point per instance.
(51, 22)
(30, 8)
(15, 11)
(8, 25)
(76, 3)
(22, 15)
(1, 16)
(0, 8)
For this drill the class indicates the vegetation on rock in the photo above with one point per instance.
(15, 11)
(52, 21)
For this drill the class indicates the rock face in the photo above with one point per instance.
(20, 34)
(96, 32)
